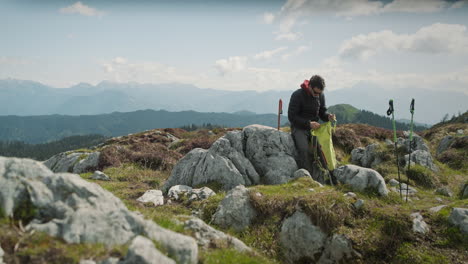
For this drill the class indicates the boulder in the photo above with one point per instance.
(360, 178)
(464, 191)
(152, 196)
(142, 251)
(201, 194)
(358, 204)
(416, 144)
(338, 249)
(235, 210)
(91, 161)
(207, 236)
(366, 157)
(437, 208)
(459, 218)
(301, 173)
(177, 191)
(99, 175)
(404, 189)
(76, 162)
(419, 226)
(445, 191)
(257, 154)
(79, 211)
(301, 240)
(444, 144)
(422, 158)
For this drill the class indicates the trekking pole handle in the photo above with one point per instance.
(390, 107)
(412, 106)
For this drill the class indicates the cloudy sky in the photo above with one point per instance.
(241, 45)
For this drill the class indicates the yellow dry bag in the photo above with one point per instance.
(324, 137)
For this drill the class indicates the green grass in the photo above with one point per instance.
(230, 256)
(409, 253)
(40, 248)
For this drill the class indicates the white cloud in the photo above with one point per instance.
(231, 64)
(296, 52)
(82, 9)
(268, 18)
(293, 10)
(268, 54)
(436, 38)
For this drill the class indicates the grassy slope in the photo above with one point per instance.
(381, 230)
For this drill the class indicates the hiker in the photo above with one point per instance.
(306, 106)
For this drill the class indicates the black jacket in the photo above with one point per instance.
(304, 108)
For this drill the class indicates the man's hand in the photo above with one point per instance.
(332, 117)
(314, 125)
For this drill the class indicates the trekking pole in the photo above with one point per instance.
(390, 111)
(410, 144)
(280, 112)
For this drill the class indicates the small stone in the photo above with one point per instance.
(154, 196)
(311, 190)
(419, 226)
(445, 191)
(87, 261)
(393, 182)
(99, 175)
(350, 195)
(460, 132)
(459, 218)
(437, 208)
(301, 173)
(358, 204)
(439, 199)
(177, 191)
(258, 194)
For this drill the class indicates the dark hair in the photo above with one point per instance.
(317, 81)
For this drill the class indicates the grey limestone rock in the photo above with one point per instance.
(423, 158)
(142, 251)
(207, 235)
(80, 211)
(338, 249)
(76, 162)
(152, 196)
(459, 217)
(445, 191)
(257, 154)
(367, 157)
(99, 175)
(419, 226)
(360, 178)
(301, 239)
(235, 210)
(444, 144)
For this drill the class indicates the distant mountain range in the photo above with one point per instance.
(27, 98)
(41, 129)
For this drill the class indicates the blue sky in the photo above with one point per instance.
(240, 45)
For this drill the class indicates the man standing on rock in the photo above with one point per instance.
(306, 106)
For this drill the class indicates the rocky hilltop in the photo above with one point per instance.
(237, 196)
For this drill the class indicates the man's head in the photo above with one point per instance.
(316, 85)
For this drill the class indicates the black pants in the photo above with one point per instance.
(303, 141)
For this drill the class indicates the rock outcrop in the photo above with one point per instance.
(142, 251)
(367, 157)
(459, 218)
(301, 239)
(78, 211)
(360, 178)
(257, 154)
(235, 210)
(176, 192)
(304, 242)
(208, 237)
(423, 158)
(75, 162)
